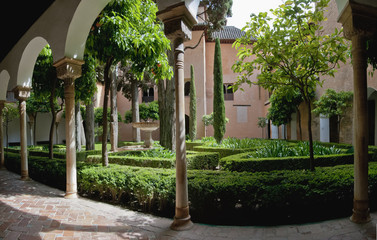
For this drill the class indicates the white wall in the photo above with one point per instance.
(42, 133)
(324, 123)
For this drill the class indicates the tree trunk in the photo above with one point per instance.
(311, 159)
(135, 111)
(35, 129)
(105, 160)
(52, 126)
(114, 113)
(89, 125)
(166, 102)
(78, 126)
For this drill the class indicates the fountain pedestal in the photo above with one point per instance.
(147, 127)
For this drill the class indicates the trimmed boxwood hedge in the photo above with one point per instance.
(80, 156)
(241, 162)
(195, 160)
(191, 145)
(218, 197)
(223, 152)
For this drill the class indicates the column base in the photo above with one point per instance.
(182, 220)
(360, 211)
(70, 196)
(25, 175)
(182, 224)
(25, 178)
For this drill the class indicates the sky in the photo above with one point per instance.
(243, 8)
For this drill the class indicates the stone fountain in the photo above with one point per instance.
(147, 127)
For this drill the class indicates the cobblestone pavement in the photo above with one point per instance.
(30, 210)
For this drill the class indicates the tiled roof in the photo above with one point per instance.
(228, 33)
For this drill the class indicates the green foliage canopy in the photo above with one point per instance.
(128, 30)
(147, 112)
(333, 104)
(292, 51)
(283, 103)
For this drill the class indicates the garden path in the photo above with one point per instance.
(30, 210)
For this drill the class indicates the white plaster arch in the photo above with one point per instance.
(4, 79)
(82, 20)
(28, 59)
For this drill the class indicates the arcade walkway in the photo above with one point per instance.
(30, 210)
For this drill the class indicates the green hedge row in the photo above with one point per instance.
(223, 152)
(195, 160)
(80, 156)
(134, 161)
(218, 197)
(241, 162)
(232, 198)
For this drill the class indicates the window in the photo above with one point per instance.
(148, 95)
(228, 92)
(10, 97)
(187, 88)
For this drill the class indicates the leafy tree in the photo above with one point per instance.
(85, 88)
(333, 104)
(218, 95)
(10, 112)
(283, 103)
(208, 120)
(33, 107)
(192, 105)
(147, 112)
(128, 30)
(293, 51)
(48, 88)
(217, 11)
(214, 17)
(262, 123)
(130, 86)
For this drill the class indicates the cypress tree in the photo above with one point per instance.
(192, 106)
(218, 96)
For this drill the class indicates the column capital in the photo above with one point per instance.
(68, 68)
(177, 28)
(21, 93)
(178, 21)
(358, 19)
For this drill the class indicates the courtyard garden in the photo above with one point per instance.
(237, 182)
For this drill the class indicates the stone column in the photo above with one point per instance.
(359, 22)
(2, 159)
(178, 21)
(68, 70)
(361, 201)
(177, 31)
(22, 93)
(182, 216)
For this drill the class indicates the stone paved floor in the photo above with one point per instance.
(30, 210)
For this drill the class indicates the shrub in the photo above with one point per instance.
(195, 160)
(223, 152)
(217, 197)
(242, 162)
(134, 161)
